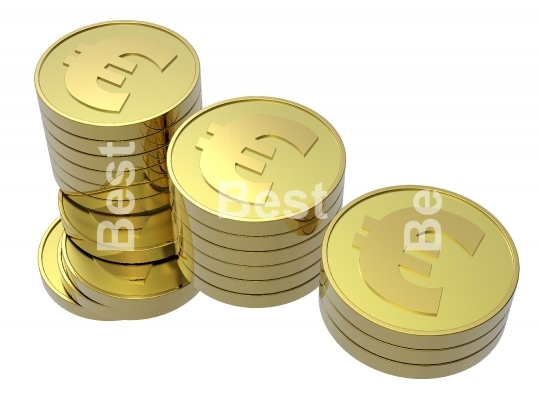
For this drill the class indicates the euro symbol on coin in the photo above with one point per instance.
(382, 253)
(85, 70)
(226, 149)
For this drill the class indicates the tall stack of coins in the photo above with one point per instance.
(110, 96)
(417, 282)
(265, 179)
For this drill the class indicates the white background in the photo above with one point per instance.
(435, 93)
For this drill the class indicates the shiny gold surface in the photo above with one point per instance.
(406, 355)
(249, 286)
(146, 287)
(156, 73)
(125, 256)
(148, 140)
(103, 310)
(285, 226)
(412, 340)
(252, 300)
(100, 163)
(248, 272)
(147, 199)
(241, 257)
(89, 182)
(73, 185)
(115, 178)
(152, 230)
(256, 142)
(51, 276)
(403, 369)
(375, 282)
(258, 243)
(77, 160)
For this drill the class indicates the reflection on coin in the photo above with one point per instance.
(255, 165)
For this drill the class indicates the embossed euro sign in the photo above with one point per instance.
(382, 252)
(226, 149)
(92, 64)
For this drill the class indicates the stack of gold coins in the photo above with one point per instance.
(255, 182)
(110, 96)
(417, 282)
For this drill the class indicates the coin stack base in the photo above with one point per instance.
(106, 290)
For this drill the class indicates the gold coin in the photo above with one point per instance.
(79, 94)
(101, 163)
(50, 273)
(67, 141)
(249, 286)
(117, 176)
(419, 267)
(258, 243)
(401, 369)
(80, 298)
(103, 310)
(147, 199)
(124, 256)
(253, 300)
(255, 164)
(148, 230)
(248, 272)
(146, 287)
(83, 178)
(147, 142)
(400, 354)
(75, 187)
(90, 181)
(241, 257)
(290, 224)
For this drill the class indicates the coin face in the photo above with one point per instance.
(420, 261)
(255, 159)
(117, 73)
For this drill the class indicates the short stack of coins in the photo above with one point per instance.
(110, 96)
(265, 179)
(417, 281)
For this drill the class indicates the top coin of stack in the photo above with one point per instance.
(266, 177)
(101, 122)
(110, 95)
(417, 282)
